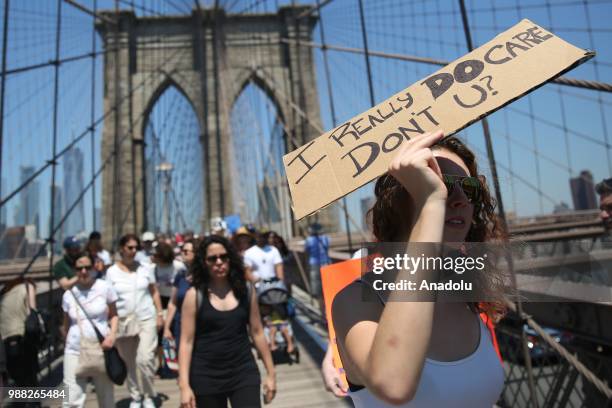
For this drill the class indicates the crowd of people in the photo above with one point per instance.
(199, 295)
(155, 291)
(148, 296)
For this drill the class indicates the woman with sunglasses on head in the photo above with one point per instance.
(423, 354)
(219, 313)
(98, 299)
(140, 317)
(182, 283)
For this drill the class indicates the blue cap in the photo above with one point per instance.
(71, 243)
(315, 228)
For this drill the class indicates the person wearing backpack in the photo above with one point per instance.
(316, 246)
(219, 313)
(17, 301)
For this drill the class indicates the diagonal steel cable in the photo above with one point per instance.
(59, 154)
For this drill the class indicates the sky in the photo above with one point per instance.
(540, 141)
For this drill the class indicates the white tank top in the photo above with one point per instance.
(475, 381)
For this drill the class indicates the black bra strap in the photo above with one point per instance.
(369, 285)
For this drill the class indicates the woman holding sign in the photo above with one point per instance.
(422, 354)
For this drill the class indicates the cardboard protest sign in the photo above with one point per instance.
(514, 63)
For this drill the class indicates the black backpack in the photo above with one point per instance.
(36, 330)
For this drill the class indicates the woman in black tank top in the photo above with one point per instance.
(219, 312)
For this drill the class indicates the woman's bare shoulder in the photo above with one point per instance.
(190, 295)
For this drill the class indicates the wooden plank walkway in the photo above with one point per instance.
(298, 385)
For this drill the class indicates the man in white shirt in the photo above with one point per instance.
(264, 261)
(144, 255)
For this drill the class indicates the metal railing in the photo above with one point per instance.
(567, 370)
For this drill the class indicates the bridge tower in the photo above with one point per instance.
(209, 56)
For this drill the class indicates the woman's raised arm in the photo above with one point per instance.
(386, 347)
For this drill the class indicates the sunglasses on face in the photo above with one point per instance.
(80, 268)
(471, 186)
(213, 258)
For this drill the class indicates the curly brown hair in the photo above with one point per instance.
(391, 218)
(200, 270)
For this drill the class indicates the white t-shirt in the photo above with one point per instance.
(133, 290)
(165, 276)
(95, 300)
(262, 261)
(105, 257)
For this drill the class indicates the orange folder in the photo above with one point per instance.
(334, 278)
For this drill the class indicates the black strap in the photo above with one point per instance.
(98, 334)
(369, 285)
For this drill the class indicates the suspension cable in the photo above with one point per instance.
(575, 82)
(53, 159)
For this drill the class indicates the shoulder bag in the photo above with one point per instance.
(35, 329)
(114, 365)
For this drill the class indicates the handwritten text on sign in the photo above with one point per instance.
(359, 150)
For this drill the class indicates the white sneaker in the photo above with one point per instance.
(135, 404)
(148, 403)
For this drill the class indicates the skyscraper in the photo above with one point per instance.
(73, 186)
(28, 211)
(583, 191)
(58, 213)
